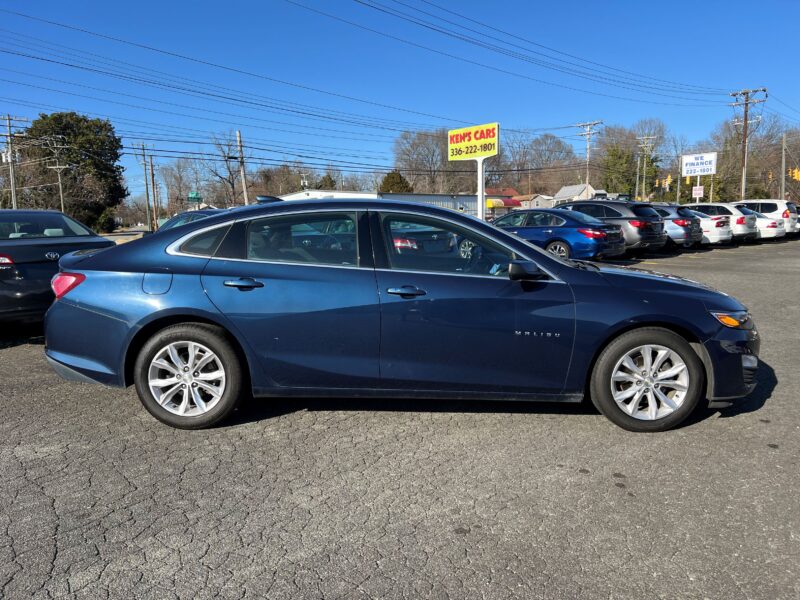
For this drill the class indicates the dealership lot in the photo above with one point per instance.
(399, 499)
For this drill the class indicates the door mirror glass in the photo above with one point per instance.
(525, 270)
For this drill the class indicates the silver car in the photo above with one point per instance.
(743, 226)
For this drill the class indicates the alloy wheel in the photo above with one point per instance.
(650, 382)
(558, 249)
(186, 378)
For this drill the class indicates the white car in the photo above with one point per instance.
(743, 226)
(716, 230)
(776, 209)
(768, 228)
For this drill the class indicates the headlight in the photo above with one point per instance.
(735, 320)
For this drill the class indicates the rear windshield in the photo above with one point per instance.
(42, 225)
(696, 213)
(792, 207)
(746, 211)
(644, 211)
(584, 218)
(685, 212)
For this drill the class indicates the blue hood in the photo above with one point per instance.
(650, 282)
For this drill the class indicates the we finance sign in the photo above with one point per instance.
(470, 143)
(698, 164)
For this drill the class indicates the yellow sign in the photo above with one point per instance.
(477, 141)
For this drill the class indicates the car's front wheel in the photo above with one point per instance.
(188, 376)
(648, 379)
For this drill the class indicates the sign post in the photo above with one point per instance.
(477, 143)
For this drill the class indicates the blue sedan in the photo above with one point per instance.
(566, 233)
(374, 298)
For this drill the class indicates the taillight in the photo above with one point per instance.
(405, 243)
(772, 225)
(741, 221)
(592, 233)
(721, 222)
(786, 214)
(5, 260)
(639, 224)
(681, 222)
(62, 283)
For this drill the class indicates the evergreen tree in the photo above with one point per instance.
(395, 182)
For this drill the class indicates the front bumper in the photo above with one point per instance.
(733, 362)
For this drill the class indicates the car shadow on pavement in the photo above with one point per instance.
(258, 409)
(20, 334)
(261, 409)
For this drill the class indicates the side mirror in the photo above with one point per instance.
(525, 270)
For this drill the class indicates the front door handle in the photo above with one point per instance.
(406, 291)
(548, 231)
(243, 283)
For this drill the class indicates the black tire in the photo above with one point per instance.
(210, 336)
(600, 384)
(567, 251)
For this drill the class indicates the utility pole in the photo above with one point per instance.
(146, 191)
(783, 167)
(638, 164)
(10, 150)
(746, 101)
(242, 171)
(58, 168)
(588, 131)
(646, 144)
(153, 185)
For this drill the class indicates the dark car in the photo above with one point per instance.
(198, 317)
(683, 227)
(566, 233)
(190, 216)
(642, 226)
(31, 242)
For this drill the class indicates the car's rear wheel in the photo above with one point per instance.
(648, 379)
(188, 376)
(559, 248)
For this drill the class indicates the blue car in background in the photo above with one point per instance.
(565, 233)
(374, 299)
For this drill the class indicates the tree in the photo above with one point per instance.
(326, 182)
(395, 182)
(94, 181)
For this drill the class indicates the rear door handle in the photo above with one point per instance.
(243, 283)
(406, 291)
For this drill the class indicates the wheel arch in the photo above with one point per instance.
(140, 338)
(691, 337)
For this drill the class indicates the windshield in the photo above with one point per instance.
(26, 225)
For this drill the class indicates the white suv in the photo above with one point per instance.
(744, 227)
(776, 209)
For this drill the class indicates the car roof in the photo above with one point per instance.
(24, 211)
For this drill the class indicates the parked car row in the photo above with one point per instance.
(586, 229)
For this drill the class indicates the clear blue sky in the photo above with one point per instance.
(714, 45)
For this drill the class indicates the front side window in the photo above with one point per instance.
(513, 219)
(316, 238)
(545, 220)
(423, 244)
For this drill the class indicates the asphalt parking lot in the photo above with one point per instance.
(398, 499)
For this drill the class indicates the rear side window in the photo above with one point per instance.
(206, 242)
(766, 207)
(316, 239)
(593, 210)
(644, 211)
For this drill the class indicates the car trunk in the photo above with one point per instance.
(37, 258)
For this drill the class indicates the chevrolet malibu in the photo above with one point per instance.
(373, 298)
